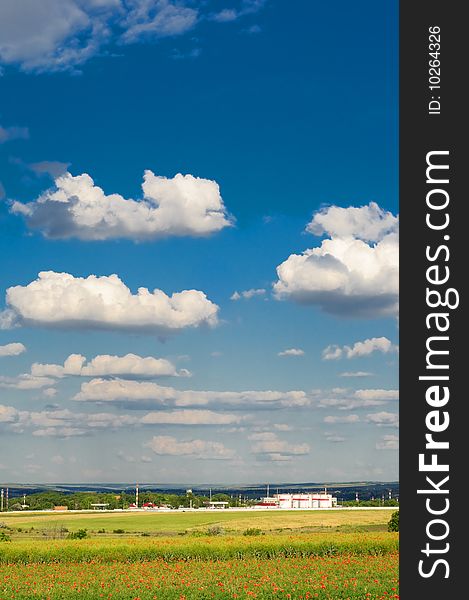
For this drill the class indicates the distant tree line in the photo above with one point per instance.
(83, 500)
(375, 502)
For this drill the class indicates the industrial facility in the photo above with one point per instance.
(304, 501)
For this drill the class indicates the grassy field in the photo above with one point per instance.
(177, 522)
(200, 548)
(322, 578)
(324, 555)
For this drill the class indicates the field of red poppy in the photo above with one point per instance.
(299, 566)
(339, 577)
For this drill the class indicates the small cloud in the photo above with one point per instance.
(57, 460)
(253, 29)
(52, 168)
(355, 374)
(388, 442)
(267, 443)
(25, 382)
(13, 349)
(166, 445)
(247, 294)
(291, 352)
(216, 354)
(360, 349)
(49, 392)
(334, 438)
(347, 419)
(383, 419)
(7, 134)
(177, 54)
(225, 16)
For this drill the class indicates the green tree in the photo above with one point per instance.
(393, 524)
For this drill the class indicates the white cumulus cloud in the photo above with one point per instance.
(13, 349)
(292, 352)
(359, 349)
(105, 365)
(370, 223)
(77, 208)
(247, 294)
(352, 273)
(62, 300)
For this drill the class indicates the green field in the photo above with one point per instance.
(322, 578)
(324, 555)
(178, 522)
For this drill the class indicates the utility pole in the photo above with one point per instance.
(2, 500)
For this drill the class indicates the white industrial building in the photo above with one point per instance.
(291, 501)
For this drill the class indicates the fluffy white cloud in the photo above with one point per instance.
(12, 133)
(369, 223)
(77, 208)
(247, 294)
(388, 442)
(121, 390)
(62, 300)
(12, 349)
(170, 446)
(354, 272)
(292, 352)
(105, 365)
(384, 419)
(359, 349)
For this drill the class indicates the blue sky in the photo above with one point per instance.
(283, 121)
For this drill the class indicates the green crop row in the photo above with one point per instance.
(203, 548)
